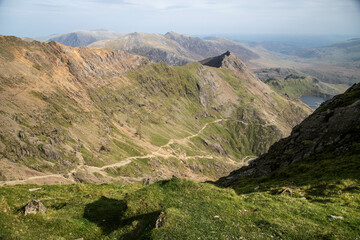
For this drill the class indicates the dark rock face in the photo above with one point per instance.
(215, 61)
(335, 125)
(226, 60)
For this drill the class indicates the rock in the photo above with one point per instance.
(245, 211)
(160, 220)
(218, 148)
(146, 181)
(50, 151)
(104, 148)
(34, 206)
(34, 189)
(337, 217)
(286, 190)
(22, 135)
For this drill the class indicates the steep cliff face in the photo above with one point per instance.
(78, 114)
(332, 133)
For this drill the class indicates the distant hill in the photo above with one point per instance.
(156, 47)
(336, 64)
(83, 37)
(344, 51)
(175, 49)
(296, 84)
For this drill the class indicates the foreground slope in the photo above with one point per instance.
(316, 197)
(98, 115)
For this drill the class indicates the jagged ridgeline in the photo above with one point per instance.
(76, 114)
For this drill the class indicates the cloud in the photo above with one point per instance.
(187, 16)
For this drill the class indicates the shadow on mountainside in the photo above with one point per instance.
(108, 214)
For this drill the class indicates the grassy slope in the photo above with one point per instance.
(297, 87)
(198, 210)
(192, 210)
(317, 198)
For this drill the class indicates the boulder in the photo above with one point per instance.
(34, 206)
(160, 220)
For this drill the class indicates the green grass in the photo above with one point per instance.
(137, 168)
(158, 140)
(130, 150)
(297, 86)
(296, 202)
(192, 211)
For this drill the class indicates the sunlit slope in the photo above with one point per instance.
(78, 114)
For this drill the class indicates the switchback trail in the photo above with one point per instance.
(160, 152)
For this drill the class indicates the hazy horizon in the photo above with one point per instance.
(34, 18)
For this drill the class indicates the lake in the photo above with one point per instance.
(312, 101)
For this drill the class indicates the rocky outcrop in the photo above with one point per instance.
(333, 127)
(226, 60)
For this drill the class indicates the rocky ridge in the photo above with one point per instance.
(173, 48)
(333, 128)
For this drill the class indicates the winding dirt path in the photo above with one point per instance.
(160, 152)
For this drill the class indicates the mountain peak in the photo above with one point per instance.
(225, 60)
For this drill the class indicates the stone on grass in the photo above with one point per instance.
(160, 220)
(34, 206)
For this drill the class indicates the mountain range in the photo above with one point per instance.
(173, 48)
(335, 64)
(207, 141)
(74, 114)
(82, 37)
(305, 187)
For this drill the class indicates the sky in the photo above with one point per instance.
(34, 18)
